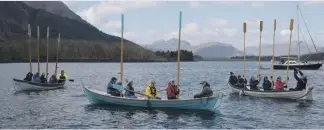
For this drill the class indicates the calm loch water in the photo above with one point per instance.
(69, 108)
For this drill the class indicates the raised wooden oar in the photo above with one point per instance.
(38, 49)
(244, 31)
(57, 52)
(29, 49)
(47, 53)
(178, 74)
(273, 48)
(291, 29)
(122, 49)
(261, 28)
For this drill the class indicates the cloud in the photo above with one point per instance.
(113, 25)
(228, 2)
(315, 2)
(218, 23)
(252, 23)
(195, 4)
(217, 30)
(96, 14)
(258, 4)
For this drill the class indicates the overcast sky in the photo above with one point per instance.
(149, 21)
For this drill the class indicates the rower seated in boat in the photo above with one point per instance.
(62, 77)
(111, 87)
(53, 79)
(130, 94)
(254, 83)
(280, 85)
(42, 78)
(206, 91)
(241, 82)
(151, 91)
(301, 81)
(266, 84)
(36, 78)
(232, 79)
(172, 90)
(29, 76)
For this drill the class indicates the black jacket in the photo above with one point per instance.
(233, 79)
(206, 92)
(266, 84)
(301, 83)
(254, 84)
(241, 82)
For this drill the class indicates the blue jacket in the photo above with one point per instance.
(111, 89)
(36, 80)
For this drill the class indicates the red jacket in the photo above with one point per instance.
(171, 92)
(280, 86)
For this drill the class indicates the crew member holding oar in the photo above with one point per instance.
(151, 91)
(62, 77)
(129, 94)
(172, 90)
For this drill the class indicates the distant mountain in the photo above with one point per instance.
(171, 45)
(321, 49)
(206, 50)
(280, 49)
(216, 50)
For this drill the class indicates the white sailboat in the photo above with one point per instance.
(296, 62)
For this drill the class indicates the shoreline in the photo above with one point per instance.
(86, 61)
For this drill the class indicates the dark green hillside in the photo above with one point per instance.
(79, 39)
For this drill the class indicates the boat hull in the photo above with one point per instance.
(304, 95)
(300, 66)
(21, 85)
(102, 98)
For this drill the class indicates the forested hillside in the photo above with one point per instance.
(79, 40)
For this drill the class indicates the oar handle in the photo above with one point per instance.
(137, 93)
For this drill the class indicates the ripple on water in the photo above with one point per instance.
(69, 108)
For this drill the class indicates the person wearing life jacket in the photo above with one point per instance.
(254, 83)
(29, 76)
(62, 77)
(233, 79)
(129, 86)
(301, 81)
(53, 79)
(172, 90)
(266, 84)
(241, 82)
(42, 78)
(110, 87)
(36, 78)
(151, 91)
(280, 85)
(206, 91)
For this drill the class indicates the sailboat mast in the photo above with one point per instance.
(298, 42)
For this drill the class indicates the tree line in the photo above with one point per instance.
(262, 58)
(173, 55)
(308, 57)
(18, 50)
